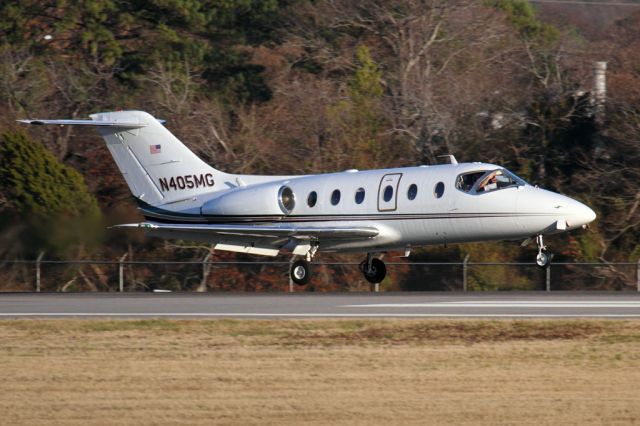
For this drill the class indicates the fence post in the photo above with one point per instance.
(38, 271)
(121, 273)
(206, 270)
(289, 274)
(464, 273)
(548, 271)
(638, 275)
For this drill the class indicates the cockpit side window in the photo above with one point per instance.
(485, 181)
(497, 179)
(466, 181)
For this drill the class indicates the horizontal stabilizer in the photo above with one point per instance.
(265, 231)
(98, 123)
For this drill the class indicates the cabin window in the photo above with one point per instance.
(388, 193)
(312, 199)
(335, 197)
(438, 191)
(412, 192)
(359, 195)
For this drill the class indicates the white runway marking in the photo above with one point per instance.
(311, 315)
(503, 304)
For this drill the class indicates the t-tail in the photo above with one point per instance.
(158, 168)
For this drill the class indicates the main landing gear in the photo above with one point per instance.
(300, 271)
(543, 259)
(372, 268)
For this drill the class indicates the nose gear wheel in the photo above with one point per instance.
(543, 259)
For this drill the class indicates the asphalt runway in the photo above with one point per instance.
(309, 305)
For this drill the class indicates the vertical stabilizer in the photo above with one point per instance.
(158, 168)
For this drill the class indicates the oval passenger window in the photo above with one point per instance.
(439, 190)
(312, 199)
(335, 197)
(359, 195)
(388, 193)
(412, 192)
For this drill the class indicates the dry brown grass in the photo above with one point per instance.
(78, 372)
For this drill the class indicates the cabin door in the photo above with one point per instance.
(388, 192)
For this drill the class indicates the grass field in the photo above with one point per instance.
(462, 372)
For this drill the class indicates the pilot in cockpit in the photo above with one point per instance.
(489, 183)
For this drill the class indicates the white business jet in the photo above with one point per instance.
(373, 211)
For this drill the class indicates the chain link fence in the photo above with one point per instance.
(136, 276)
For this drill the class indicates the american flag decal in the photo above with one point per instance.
(154, 149)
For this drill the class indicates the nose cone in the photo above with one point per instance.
(580, 214)
(589, 215)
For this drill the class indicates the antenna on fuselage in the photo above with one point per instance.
(451, 157)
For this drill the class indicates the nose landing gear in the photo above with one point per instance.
(373, 269)
(543, 259)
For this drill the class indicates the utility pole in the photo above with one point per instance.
(599, 94)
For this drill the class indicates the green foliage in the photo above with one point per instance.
(497, 277)
(589, 247)
(541, 40)
(130, 38)
(523, 17)
(358, 118)
(206, 35)
(48, 196)
(365, 86)
(365, 92)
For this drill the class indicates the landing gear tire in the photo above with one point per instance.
(300, 272)
(543, 259)
(376, 272)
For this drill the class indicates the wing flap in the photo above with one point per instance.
(247, 249)
(264, 231)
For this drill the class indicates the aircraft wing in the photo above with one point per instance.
(264, 231)
(266, 240)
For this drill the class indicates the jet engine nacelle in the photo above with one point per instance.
(260, 200)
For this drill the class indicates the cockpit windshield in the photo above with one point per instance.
(485, 181)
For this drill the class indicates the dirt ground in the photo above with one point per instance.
(462, 372)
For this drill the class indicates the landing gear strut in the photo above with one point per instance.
(373, 269)
(543, 259)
